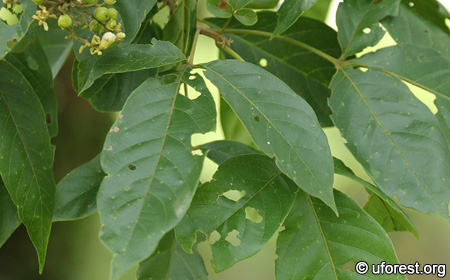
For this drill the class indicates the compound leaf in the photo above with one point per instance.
(280, 122)
(358, 23)
(151, 172)
(26, 156)
(170, 261)
(316, 244)
(395, 137)
(248, 197)
(77, 192)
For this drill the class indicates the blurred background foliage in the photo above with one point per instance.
(75, 253)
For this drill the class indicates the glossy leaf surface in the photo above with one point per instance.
(151, 173)
(264, 198)
(280, 122)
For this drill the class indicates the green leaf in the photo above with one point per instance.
(109, 92)
(289, 12)
(316, 244)
(126, 59)
(77, 192)
(233, 129)
(33, 65)
(219, 8)
(421, 24)
(358, 23)
(319, 11)
(132, 14)
(262, 4)
(249, 197)
(26, 156)
(395, 137)
(152, 173)
(170, 261)
(381, 207)
(305, 72)
(246, 16)
(182, 25)
(220, 151)
(14, 33)
(55, 46)
(9, 219)
(443, 115)
(280, 122)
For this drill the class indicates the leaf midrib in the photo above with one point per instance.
(274, 126)
(32, 168)
(387, 134)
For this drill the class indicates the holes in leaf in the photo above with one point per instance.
(10, 13)
(214, 237)
(256, 118)
(350, 265)
(252, 214)
(232, 238)
(234, 195)
(263, 62)
(367, 30)
(411, 4)
(447, 22)
(48, 118)
(132, 167)
(192, 77)
(191, 92)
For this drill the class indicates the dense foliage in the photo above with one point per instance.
(283, 77)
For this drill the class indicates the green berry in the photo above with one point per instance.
(90, 2)
(110, 2)
(101, 14)
(38, 1)
(112, 13)
(65, 21)
(111, 24)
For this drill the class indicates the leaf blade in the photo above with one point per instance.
(268, 119)
(289, 12)
(148, 189)
(26, 160)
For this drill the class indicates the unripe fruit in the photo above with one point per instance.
(89, 2)
(101, 14)
(110, 2)
(112, 13)
(111, 24)
(38, 1)
(65, 21)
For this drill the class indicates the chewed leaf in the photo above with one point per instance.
(244, 206)
(287, 128)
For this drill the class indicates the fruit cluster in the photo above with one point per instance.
(86, 14)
